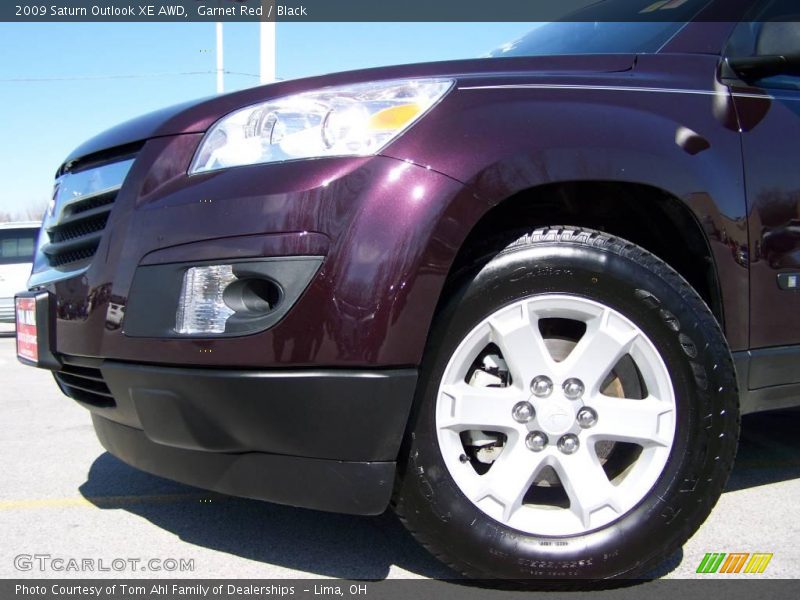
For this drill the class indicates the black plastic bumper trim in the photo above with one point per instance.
(351, 415)
(768, 378)
(362, 488)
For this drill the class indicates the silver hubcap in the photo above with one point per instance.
(527, 426)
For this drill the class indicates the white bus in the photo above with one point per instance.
(17, 244)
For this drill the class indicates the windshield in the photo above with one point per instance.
(590, 38)
(608, 27)
(17, 245)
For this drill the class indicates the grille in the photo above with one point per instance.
(81, 380)
(78, 215)
(93, 203)
(78, 229)
(75, 238)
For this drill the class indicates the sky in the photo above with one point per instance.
(62, 83)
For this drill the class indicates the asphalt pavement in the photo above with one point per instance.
(63, 496)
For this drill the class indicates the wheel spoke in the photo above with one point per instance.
(470, 407)
(586, 484)
(510, 477)
(522, 346)
(607, 339)
(648, 422)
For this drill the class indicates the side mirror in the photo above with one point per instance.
(753, 68)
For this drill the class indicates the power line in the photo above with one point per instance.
(128, 76)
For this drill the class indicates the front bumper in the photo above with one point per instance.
(326, 440)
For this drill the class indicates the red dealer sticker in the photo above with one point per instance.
(27, 347)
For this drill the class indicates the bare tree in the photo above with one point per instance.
(33, 211)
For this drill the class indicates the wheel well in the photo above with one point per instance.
(644, 215)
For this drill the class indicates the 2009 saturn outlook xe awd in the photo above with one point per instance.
(523, 299)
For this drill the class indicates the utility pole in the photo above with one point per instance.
(267, 51)
(220, 72)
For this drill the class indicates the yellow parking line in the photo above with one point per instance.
(107, 501)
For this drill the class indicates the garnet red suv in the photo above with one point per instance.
(526, 297)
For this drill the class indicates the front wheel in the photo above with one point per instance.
(577, 414)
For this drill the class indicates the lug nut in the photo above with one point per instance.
(523, 412)
(573, 388)
(542, 386)
(587, 417)
(536, 441)
(569, 444)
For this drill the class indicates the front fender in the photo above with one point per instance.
(667, 124)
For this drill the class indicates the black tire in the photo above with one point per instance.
(688, 338)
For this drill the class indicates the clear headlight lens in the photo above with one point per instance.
(355, 120)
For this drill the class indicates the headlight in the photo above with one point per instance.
(355, 120)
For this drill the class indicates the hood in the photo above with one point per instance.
(198, 115)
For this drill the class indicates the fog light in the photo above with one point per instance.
(201, 308)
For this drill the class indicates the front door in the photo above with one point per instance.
(768, 105)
